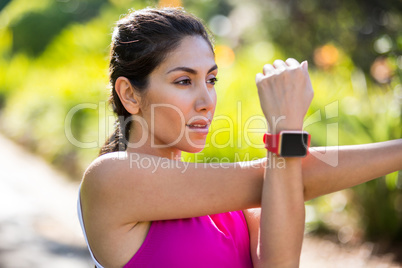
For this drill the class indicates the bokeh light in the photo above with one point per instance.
(170, 3)
(326, 56)
(220, 25)
(224, 56)
(381, 70)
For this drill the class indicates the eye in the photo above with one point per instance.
(183, 82)
(212, 81)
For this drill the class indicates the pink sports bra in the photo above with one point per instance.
(220, 240)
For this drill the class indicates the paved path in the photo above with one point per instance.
(38, 223)
(39, 227)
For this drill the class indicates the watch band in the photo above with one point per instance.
(272, 142)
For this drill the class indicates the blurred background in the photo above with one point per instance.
(54, 90)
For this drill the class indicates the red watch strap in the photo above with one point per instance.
(272, 142)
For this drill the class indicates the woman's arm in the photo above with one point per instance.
(139, 187)
(356, 164)
(239, 182)
(285, 91)
(282, 216)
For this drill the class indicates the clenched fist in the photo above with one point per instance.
(285, 93)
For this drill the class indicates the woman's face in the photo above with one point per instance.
(180, 100)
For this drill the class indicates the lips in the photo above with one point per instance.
(201, 126)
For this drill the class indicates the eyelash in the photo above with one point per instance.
(186, 82)
(213, 80)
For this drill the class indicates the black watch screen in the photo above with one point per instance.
(294, 144)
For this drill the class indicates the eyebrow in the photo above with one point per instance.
(189, 70)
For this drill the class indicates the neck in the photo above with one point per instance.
(139, 144)
(161, 152)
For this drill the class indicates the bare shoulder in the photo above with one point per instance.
(104, 162)
(116, 179)
(101, 172)
(108, 222)
(121, 169)
(112, 174)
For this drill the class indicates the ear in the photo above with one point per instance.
(128, 98)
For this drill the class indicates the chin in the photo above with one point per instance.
(194, 149)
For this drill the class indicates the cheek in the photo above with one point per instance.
(162, 107)
(215, 99)
(168, 120)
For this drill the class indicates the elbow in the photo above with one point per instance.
(309, 191)
(307, 195)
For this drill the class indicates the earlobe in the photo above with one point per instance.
(126, 92)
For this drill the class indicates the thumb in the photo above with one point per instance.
(304, 65)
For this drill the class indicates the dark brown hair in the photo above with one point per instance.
(141, 40)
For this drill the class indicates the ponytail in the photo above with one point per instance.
(118, 140)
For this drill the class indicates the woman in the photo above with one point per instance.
(167, 213)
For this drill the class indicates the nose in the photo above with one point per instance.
(206, 99)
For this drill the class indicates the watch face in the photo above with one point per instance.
(294, 144)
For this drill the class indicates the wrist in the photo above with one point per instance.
(276, 129)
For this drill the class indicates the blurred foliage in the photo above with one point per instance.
(353, 25)
(54, 86)
(38, 28)
(3, 3)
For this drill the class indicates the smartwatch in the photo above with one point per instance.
(288, 143)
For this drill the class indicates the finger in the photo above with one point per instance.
(292, 63)
(268, 69)
(280, 64)
(258, 77)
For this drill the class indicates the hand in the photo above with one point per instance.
(285, 93)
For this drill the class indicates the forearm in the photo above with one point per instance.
(356, 164)
(282, 215)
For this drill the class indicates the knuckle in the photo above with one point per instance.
(261, 82)
(285, 73)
